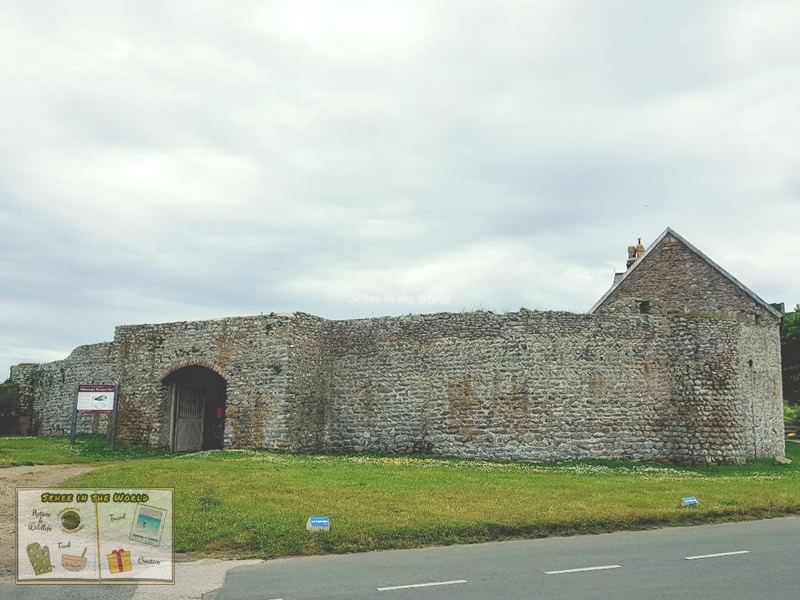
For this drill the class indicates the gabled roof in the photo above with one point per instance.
(723, 272)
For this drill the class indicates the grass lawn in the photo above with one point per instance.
(255, 503)
(16, 451)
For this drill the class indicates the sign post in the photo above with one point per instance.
(95, 400)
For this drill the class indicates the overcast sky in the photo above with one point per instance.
(169, 161)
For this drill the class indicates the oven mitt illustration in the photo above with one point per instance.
(40, 558)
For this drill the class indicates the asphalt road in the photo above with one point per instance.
(192, 580)
(734, 561)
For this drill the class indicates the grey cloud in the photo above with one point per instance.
(184, 160)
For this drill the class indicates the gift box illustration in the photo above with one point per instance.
(40, 559)
(119, 561)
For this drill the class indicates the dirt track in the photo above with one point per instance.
(12, 478)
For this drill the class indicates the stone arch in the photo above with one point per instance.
(196, 394)
(194, 363)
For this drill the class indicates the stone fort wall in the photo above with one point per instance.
(555, 386)
(677, 362)
(527, 385)
(47, 391)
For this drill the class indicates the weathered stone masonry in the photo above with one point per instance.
(689, 376)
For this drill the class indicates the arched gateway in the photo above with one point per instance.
(197, 395)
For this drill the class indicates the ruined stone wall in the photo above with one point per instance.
(675, 279)
(706, 420)
(308, 369)
(47, 392)
(14, 416)
(533, 385)
(527, 385)
(250, 353)
(728, 403)
(759, 389)
(553, 386)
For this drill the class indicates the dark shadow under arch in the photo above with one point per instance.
(197, 396)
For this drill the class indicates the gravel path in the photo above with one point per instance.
(12, 478)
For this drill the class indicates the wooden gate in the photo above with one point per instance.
(190, 404)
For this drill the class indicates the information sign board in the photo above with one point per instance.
(96, 399)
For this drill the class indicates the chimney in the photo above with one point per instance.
(635, 253)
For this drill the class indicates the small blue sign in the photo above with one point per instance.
(689, 501)
(318, 524)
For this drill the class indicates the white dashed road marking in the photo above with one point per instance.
(603, 568)
(719, 554)
(419, 585)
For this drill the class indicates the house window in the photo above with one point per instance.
(644, 306)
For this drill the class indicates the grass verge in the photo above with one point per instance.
(255, 503)
(16, 451)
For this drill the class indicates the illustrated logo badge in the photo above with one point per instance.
(70, 520)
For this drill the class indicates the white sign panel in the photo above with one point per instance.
(96, 399)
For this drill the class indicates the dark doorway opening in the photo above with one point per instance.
(198, 396)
